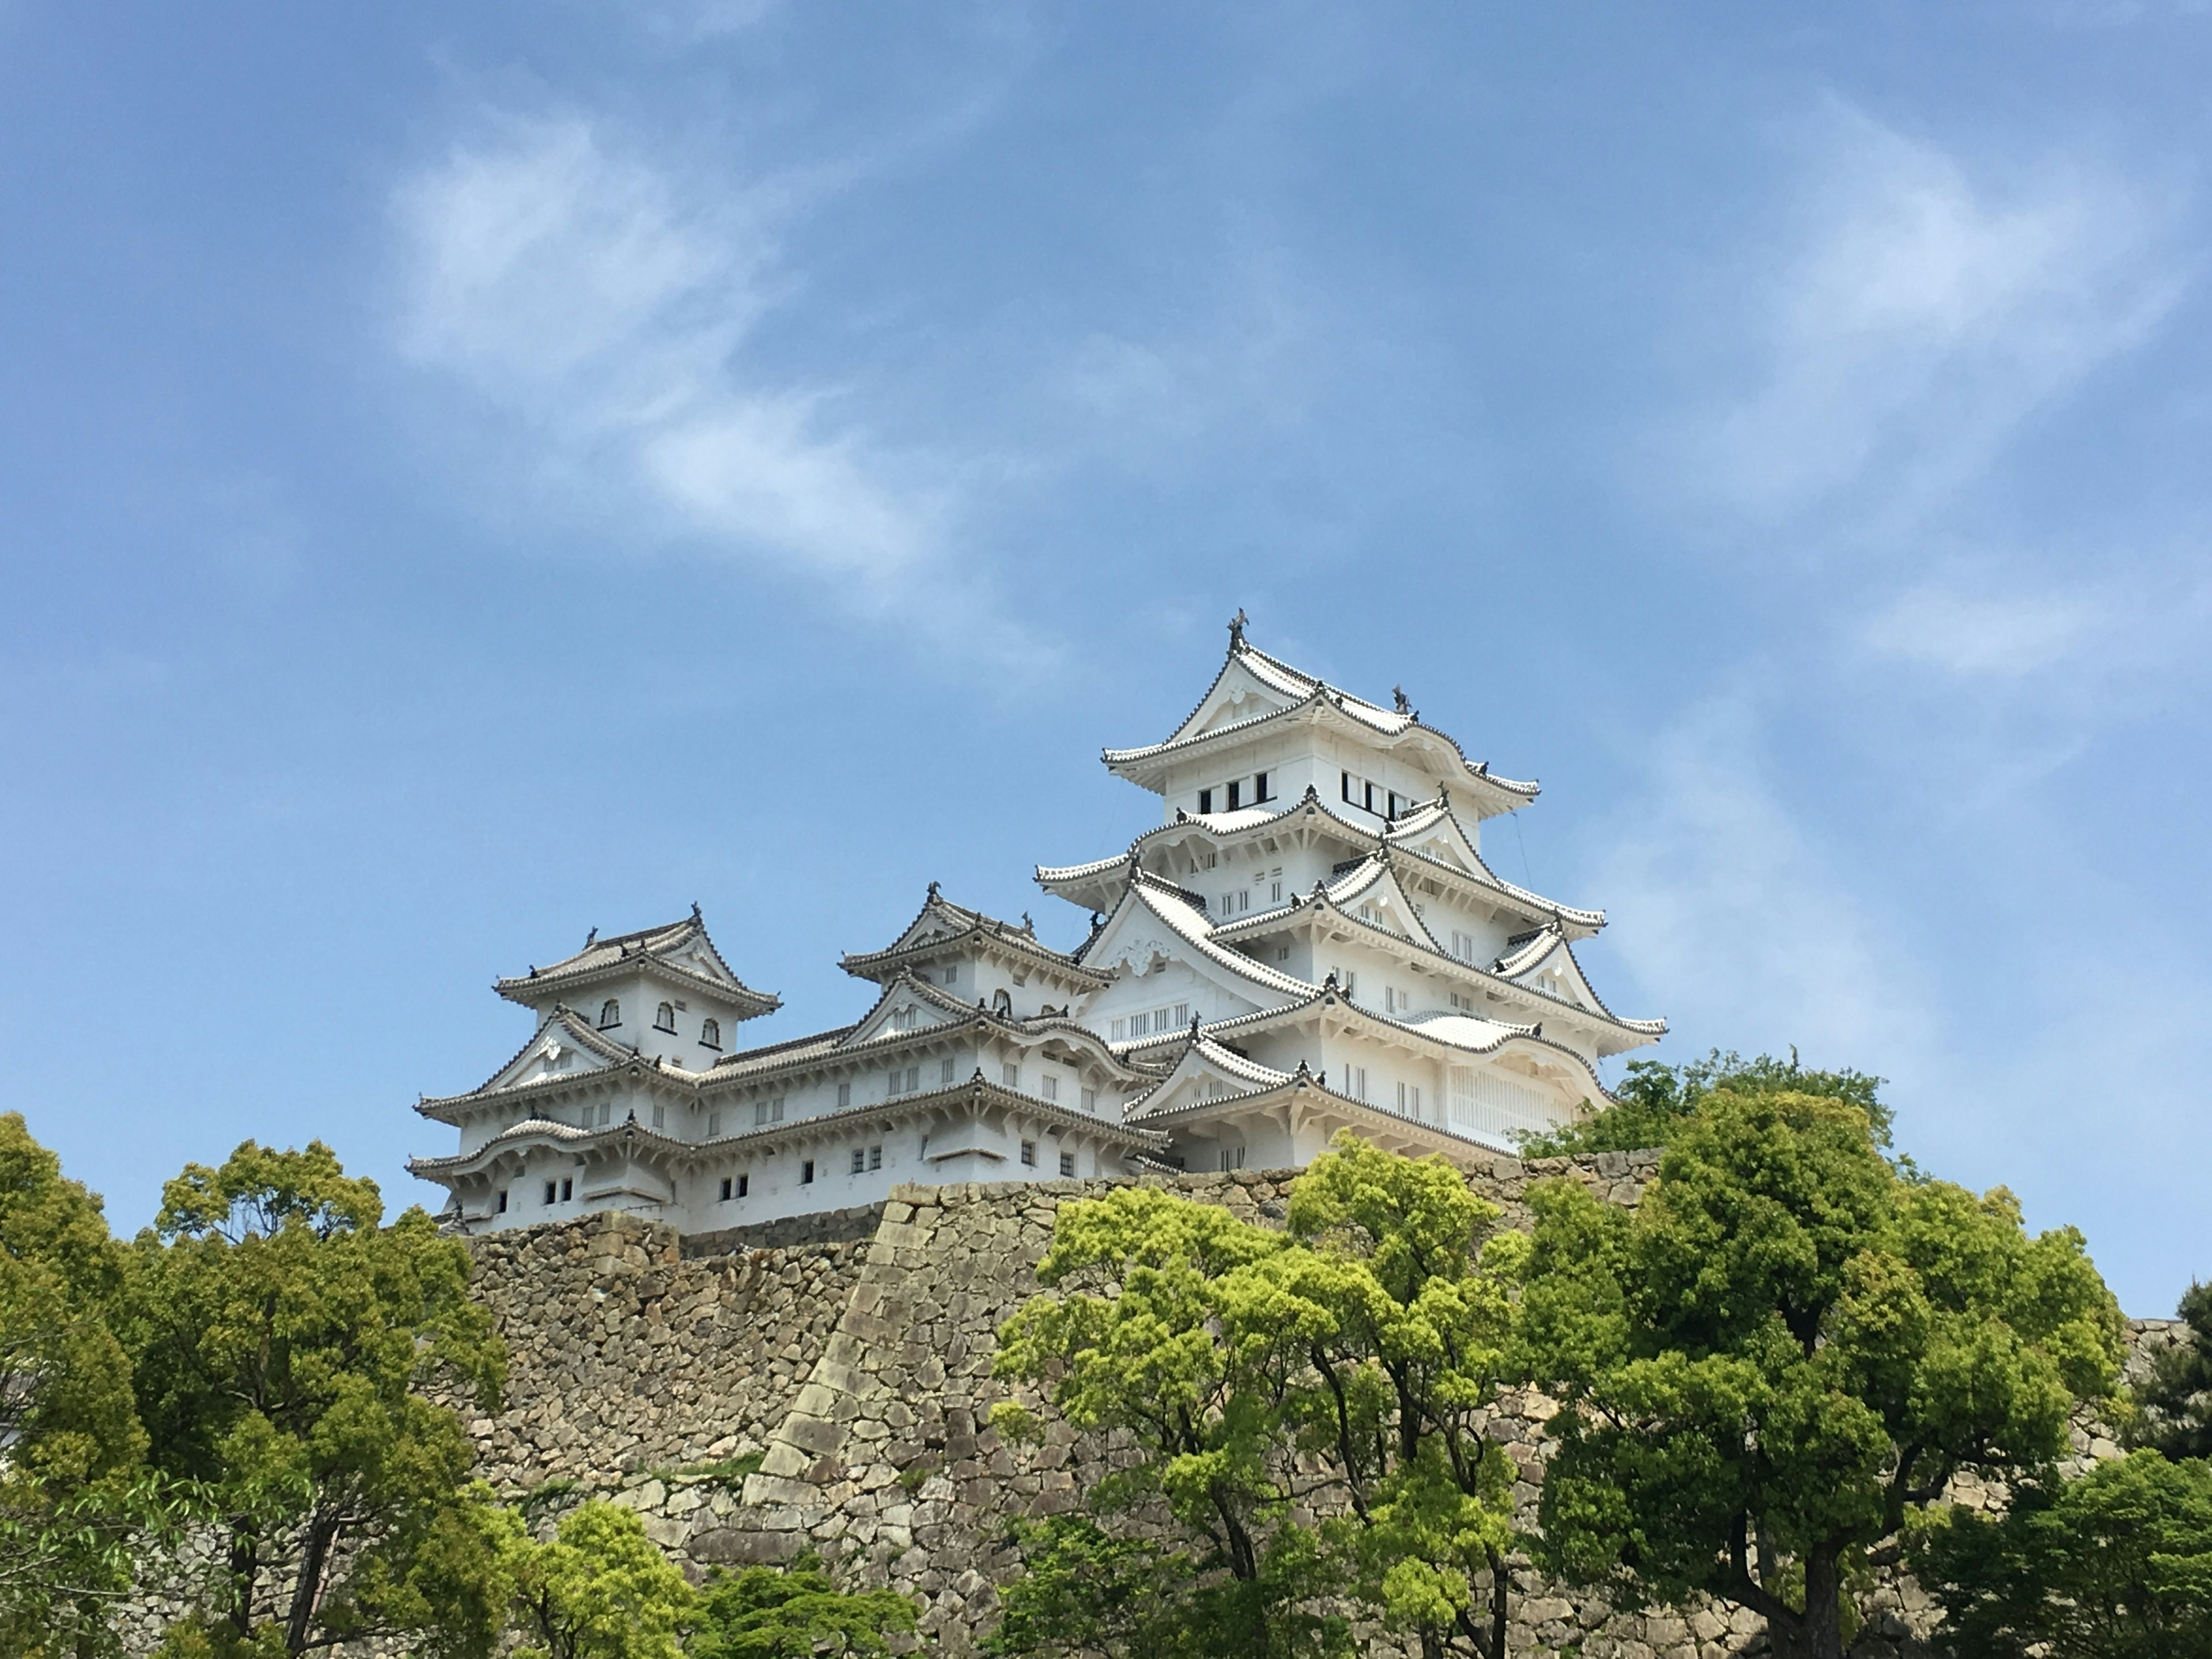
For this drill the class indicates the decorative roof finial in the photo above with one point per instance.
(1027, 927)
(1398, 696)
(694, 909)
(933, 890)
(591, 938)
(1237, 629)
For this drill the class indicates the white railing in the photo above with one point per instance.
(1494, 1108)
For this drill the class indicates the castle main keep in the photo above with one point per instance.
(1310, 940)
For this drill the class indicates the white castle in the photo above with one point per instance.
(1310, 941)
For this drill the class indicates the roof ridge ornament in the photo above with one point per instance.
(695, 911)
(1236, 630)
(1402, 704)
(933, 890)
(591, 938)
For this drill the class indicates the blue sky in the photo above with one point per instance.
(470, 475)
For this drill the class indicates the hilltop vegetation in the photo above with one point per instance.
(1759, 1382)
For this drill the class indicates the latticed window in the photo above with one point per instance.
(664, 1017)
(610, 1013)
(710, 1034)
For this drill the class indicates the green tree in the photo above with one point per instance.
(2175, 1402)
(1400, 1298)
(73, 1498)
(282, 1338)
(598, 1589)
(1654, 1099)
(1784, 1353)
(1131, 1338)
(793, 1613)
(1083, 1592)
(2116, 1565)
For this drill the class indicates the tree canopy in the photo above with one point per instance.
(1784, 1351)
(71, 1495)
(2116, 1564)
(1654, 1099)
(2175, 1401)
(1343, 1365)
(282, 1340)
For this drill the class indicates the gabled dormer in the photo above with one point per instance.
(664, 993)
(977, 959)
(1265, 731)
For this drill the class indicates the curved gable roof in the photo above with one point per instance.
(680, 951)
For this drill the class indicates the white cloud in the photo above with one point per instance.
(1726, 912)
(1924, 315)
(1999, 636)
(604, 305)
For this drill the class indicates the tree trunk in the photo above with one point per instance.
(1819, 1632)
(1501, 1603)
(307, 1594)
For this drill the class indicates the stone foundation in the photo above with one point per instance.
(825, 1384)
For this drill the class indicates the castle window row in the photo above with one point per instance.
(1155, 1022)
(664, 1019)
(1236, 793)
(1371, 797)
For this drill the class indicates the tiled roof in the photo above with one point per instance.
(1247, 927)
(963, 928)
(1308, 693)
(602, 958)
(975, 1090)
(1482, 877)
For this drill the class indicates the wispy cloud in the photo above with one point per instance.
(1738, 920)
(1921, 316)
(2000, 635)
(604, 304)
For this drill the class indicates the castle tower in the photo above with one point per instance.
(1312, 940)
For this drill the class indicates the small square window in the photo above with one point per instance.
(1051, 1087)
(568, 1188)
(725, 1189)
(1010, 1076)
(1234, 790)
(946, 1068)
(744, 1185)
(1091, 1100)
(860, 1160)
(1028, 1153)
(1066, 1163)
(876, 1155)
(1205, 800)
(552, 1190)
(806, 1173)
